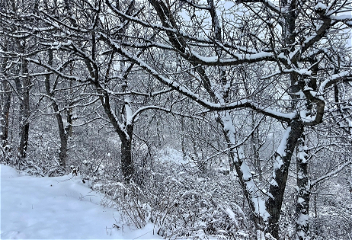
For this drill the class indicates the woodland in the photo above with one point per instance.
(210, 118)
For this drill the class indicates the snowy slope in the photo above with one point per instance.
(58, 208)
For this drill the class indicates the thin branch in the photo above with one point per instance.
(330, 174)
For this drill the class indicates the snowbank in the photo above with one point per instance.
(58, 208)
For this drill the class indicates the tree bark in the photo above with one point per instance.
(24, 111)
(302, 204)
(125, 133)
(255, 145)
(237, 162)
(5, 113)
(5, 108)
(62, 131)
(281, 167)
(126, 156)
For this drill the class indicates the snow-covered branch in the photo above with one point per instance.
(267, 3)
(345, 75)
(244, 103)
(330, 174)
(167, 110)
(238, 144)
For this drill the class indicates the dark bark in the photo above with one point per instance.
(125, 136)
(255, 145)
(24, 140)
(303, 196)
(4, 119)
(5, 109)
(24, 111)
(277, 190)
(69, 111)
(126, 156)
(62, 131)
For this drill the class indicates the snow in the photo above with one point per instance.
(303, 219)
(277, 113)
(342, 17)
(260, 235)
(278, 163)
(273, 182)
(238, 57)
(326, 83)
(300, 200)
(229, 128)
(128, 112)
(302, 155)
(282, 147)
(246, 172)
(232, 215)
(172, 155)
(320, 6)
(58, 208)
(260, 208)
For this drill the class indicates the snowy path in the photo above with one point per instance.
(58, 208)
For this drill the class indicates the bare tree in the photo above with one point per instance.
(6, 94)
(296, 43)
(100, 66)
(280, 61)
(21, 45)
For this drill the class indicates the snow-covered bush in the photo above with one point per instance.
(182, 202)
(188, 203)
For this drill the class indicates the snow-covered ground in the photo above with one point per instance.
(58, 208)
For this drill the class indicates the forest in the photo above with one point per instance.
(211, 119)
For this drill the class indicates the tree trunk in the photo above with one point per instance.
(236, 155)
(4, 119)
(302, 204)
(281, 167)
(229, 135)
(126, 156)
(24, 112)
(5, 112)
(255, 145)
(63, 136)
(24, 132)
(69, 112)
(125, 133)
(62, 131)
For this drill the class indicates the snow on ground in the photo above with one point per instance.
(58, 208)
(171, 155)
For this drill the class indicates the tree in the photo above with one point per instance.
(100, 66)
(18, 43)
(280, 63)
(297, 44)
(6, 94)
